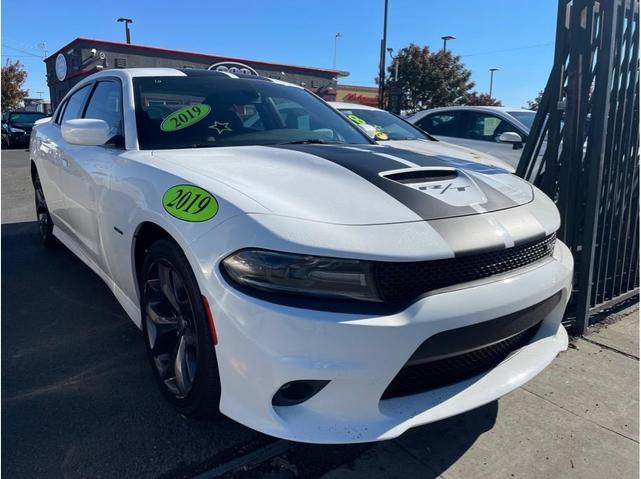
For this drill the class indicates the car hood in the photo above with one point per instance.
(364, 184)
(441, 148)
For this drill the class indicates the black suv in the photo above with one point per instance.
(17, 125)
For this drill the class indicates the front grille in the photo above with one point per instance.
(402, 282)
(435, 374)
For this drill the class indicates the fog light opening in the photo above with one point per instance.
(296, 392)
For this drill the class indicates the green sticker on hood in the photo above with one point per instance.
(190, 203)
(185, 117)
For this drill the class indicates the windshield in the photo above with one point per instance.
(26, 118)
(390, 125)
(210, 111)
(525, 117)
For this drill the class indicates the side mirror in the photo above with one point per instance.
(511, 137)
(85, 131)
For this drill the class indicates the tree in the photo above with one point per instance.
(13, 78)
(534, 104)
(430, 80)
(481, 99)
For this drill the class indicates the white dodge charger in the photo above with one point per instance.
(287, 271)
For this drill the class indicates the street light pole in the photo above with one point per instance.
(445, 38)
(492, 70)
(381, 71)
(126, 21)
(336, 37)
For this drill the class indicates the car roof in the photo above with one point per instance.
(504, 109)
(355, 106)
(129, 73)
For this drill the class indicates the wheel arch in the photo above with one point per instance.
(146, 234)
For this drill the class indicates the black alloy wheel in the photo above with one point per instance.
(177, 332)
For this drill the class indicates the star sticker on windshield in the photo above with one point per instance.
(220, 127)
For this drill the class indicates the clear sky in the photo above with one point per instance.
(515, 36)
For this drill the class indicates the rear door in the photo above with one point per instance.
(53, 156)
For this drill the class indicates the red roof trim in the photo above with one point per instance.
(195, 54)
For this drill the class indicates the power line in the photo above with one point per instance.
(4, 45)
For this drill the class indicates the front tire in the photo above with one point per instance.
(177, 332)
(45, 224)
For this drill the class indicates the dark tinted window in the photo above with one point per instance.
(443, 124)
(209, 111)
(106, 104)
(75, 104)
(484, 126)
(25, 117)
(525, 117)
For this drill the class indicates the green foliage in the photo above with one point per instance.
(430, 80)
(13, 78)
(534, 104)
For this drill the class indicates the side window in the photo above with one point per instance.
(75, 104)
(441, 124)
(484, 127)
(106, 104)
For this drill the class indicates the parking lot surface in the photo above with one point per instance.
(79, 399)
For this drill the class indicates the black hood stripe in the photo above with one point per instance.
(367, 163)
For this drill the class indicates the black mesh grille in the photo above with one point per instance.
(403, 282)
(435, 374)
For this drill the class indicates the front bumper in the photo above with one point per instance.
(19, 138)
(264, 345)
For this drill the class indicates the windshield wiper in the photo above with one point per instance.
(311, 141)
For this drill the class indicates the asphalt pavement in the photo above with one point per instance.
(79, 399)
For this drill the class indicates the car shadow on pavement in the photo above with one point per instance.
(78, 396)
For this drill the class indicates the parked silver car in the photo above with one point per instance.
(497, 131)
(391, 130)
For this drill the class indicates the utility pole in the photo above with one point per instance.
(126, 21)
(445, 38)
(336, 37)
(381, 71)
(40, 94)
(492, 70)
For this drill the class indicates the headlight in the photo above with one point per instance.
(16, 130)
(295, 274)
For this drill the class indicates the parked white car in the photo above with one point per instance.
(391, 130)
(293, 274)
(497, 131)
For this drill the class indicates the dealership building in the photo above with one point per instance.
(83, 56)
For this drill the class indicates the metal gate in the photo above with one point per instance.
(583, 150)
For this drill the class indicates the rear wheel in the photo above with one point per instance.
(177, 332)
(45, 224)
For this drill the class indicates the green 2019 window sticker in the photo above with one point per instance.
(190, 203)
(185, 117)
(356, 119)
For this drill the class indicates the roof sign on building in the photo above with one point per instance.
(233, 67)
(61, 67)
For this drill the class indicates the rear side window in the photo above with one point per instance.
(442, 124)
(106, 104)
(76, 102)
